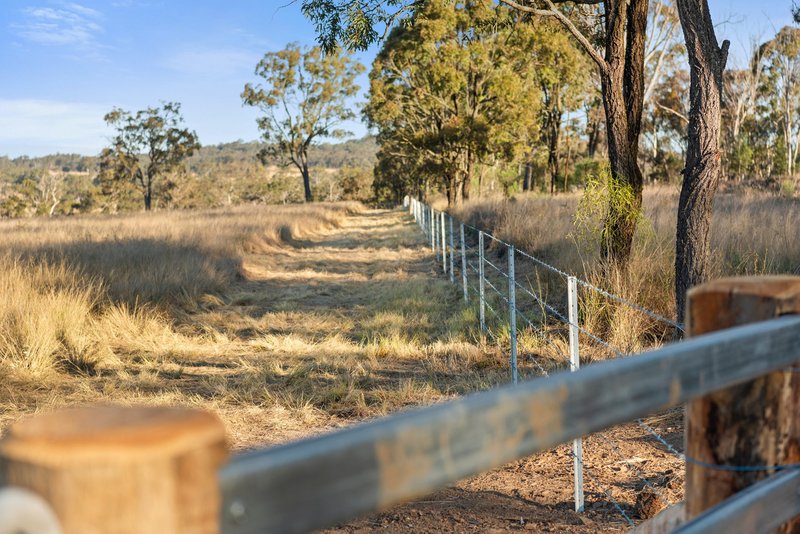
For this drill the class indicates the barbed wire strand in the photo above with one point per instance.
(584, 283)
(630, 304)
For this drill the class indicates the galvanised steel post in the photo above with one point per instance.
(512, 312)
(481, 283)
(575, 364)
(464, 265)
(443, 234)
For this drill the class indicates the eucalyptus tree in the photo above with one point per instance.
(149, 145)
(780, 91)
(562, 73)
(741, 91)
(357, 23)
(304, 96)
(701, 174)
(454, 84)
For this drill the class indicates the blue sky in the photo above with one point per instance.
(65, 63)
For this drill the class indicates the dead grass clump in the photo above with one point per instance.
(168, 257)
(46, 318)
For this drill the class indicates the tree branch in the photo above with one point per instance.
(675, 112)
(551, 11)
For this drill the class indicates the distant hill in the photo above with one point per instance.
(218, 175)
(356, 153)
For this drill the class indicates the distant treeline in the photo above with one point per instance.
(354, 153)
(217, 175)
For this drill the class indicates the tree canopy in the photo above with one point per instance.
(149, 145)
(453, 87)
(304, 96)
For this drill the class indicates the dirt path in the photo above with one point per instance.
(349, 323)
(373, 280)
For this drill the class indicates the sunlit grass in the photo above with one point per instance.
(752, 234)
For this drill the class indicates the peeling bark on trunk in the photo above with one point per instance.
(703, 158)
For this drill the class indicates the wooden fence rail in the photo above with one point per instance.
(321, 481)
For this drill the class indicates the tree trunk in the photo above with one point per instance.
(467, 176)
(553, 147)
(148, 197)
(623, 94)
(703, 159)
(593, 128)
(526, 178)
(307, 183)
(451, 187)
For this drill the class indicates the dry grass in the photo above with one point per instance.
(285, 334)
(78, 291)
(284, 321)
(167, 257)
(752, 233)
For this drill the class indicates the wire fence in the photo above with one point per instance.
(517, 295)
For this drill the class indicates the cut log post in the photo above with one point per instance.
(752, 424)
(120, 469)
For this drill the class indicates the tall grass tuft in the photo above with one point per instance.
(46, 317)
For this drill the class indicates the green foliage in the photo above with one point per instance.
(740, 157)
(606, 202)
(587, 170)
(779, 98)
(304, 96)
(454, 87)
(355, 183)
(788, 188)
(149, 145)
(508, 176)
(352, 23)
(393, 178)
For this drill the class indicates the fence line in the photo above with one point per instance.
(570, 319)
(377, 464)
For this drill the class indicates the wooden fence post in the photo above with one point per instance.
(756, 423)
(120, 469)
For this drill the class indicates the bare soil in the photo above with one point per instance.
(627, 472)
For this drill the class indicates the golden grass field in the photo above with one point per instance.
(293, 320)
(285, 320)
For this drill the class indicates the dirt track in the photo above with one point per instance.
(332, 272)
